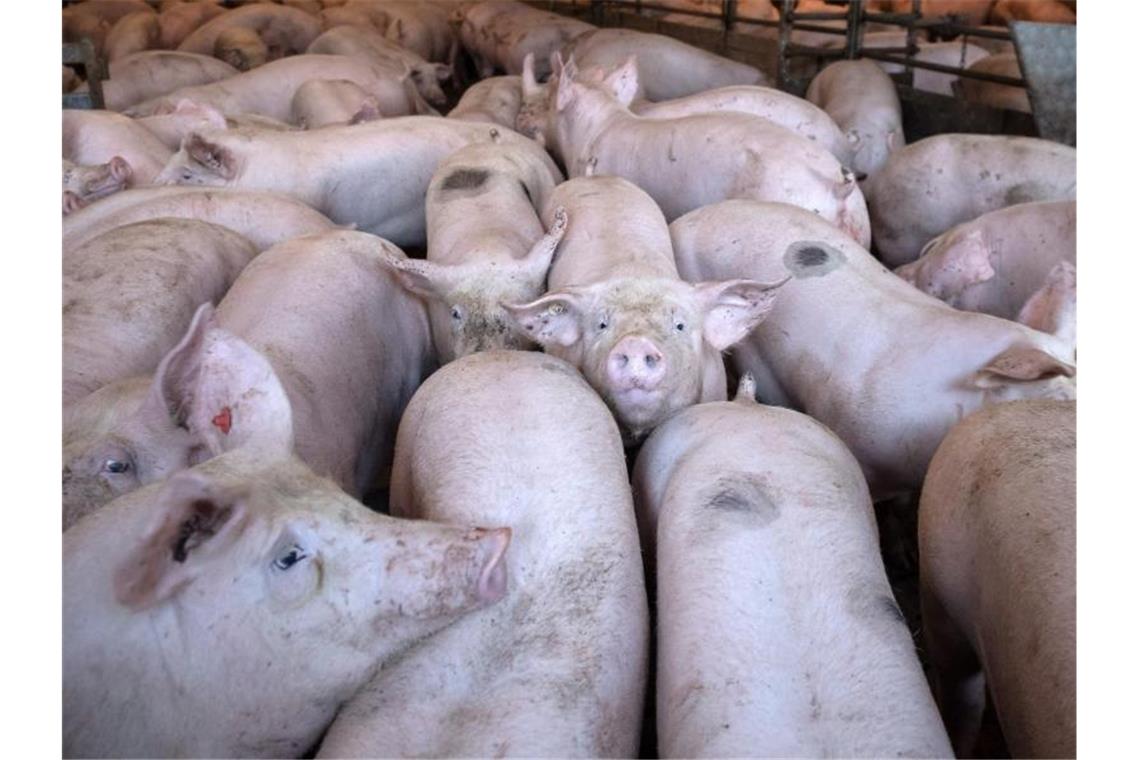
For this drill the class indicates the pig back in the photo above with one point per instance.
(348, 344)
(615, 230)
(129, 294)
(771, 594)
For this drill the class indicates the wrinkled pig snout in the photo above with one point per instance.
(635, 363)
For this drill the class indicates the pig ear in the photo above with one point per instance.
(565, 94)
(442, 72)
(892, 140)
(216, 118)
(424, 278)
(214, 157)
(1021, 364)
(553, 319)
(623, 82)
(530, 86)
(733, 308)
(538, 260)
(969, 261)
(1053, 308)
(195, 521)
(214, 385)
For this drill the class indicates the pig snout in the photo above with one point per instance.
(635, 362)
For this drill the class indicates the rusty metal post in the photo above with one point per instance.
(729, 11)
(854, 28)
(783, 75)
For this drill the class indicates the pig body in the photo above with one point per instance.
(991, 93)
(374, 175)
(696, 160)
(321, 102)
(423, 28)
(938, 182)
(129, 294)
(736, 498)
(179, 21)
(284, 30)
(886, 367)
(997, 546)
(501, 35)
(618, 311)
(1040, 11)
(133, 33)
(560, 671)
(268, 90)
(495, 100)
(485, 245)
(96, 137)
(241, 48)
(995, 263)
(797, 114)
(154, 73)
(861, 98)
(669, 68)
(259, 570)
(371, 44)
(280, 365)
(264, 219)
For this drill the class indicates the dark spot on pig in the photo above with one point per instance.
(816, 708)
(1026, 192)
(812, 258)
(745, 495)
(526, 191)
(465, 179)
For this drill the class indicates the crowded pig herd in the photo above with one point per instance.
(292, 288)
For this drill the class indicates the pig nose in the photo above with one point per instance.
(636, 363)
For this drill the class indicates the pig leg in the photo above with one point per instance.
(958, 680)
(1053, 308)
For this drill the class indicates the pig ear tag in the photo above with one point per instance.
(223, 420)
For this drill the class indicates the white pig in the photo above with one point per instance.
(558, 668)
(374, 175)
(862, 100)
(371, 44)
(241, 48)
(154, 73)
(997, 262)
(777, 632)
(232, 610)
(96, 137)
(324, 102)
(131, 34)
(886, 367)
(696, 160)
(485, 245)
(997, 552)
(85, 183)
(495, 100)
(284, 30)
(129, 294)
(933, 184)
(649, 343)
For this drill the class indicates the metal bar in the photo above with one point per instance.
(822, 29)
(835, 16)
(911, 42)
(783, 75)
(873, 54)
(729, 15)
(854, 28)
(814, 52)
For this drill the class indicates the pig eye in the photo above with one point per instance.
(187, 174)
(116, 466)
(291, 557)
(680, 326)
(603, 323)
(456, 314)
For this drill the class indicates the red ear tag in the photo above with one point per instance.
(222, 420)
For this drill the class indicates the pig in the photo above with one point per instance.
(268, 90)
(649, 343)
(797, 114)
(261, 572)
(176, 23)
(321, 102)
(172, 124)
(97, 137)
(108, 10)
(997, 554)
(743, 508)
(502, 35)
(356, 17)
(958, 53)
(941, 181)
(84, 184)
(368, 43)
(374, 175)
(264, 219)
(79, 25)
(995, 263)
(1040, 11)
(485, 245)
(889, 369)
(129, 294)
(284, 30)
(154, 73)
(474, 22)
(495, 100)
(241, 48)
(669, 68)
(734, 154)
(861, 98)
(423, 28)
(280, 361)
(991, 93)
(559, 667)
(132, 33)
(1053, 307)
